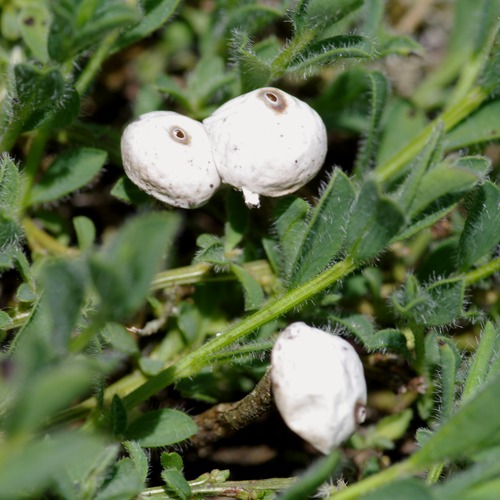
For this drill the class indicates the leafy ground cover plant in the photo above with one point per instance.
(136, 337)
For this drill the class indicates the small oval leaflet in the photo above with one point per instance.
(161, 428)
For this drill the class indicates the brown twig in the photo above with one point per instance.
(225, 419)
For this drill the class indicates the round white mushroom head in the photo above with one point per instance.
(169, 156)
(318, 385)
(267, 142)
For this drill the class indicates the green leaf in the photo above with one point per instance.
(70, 171)
(119, 338)
(85, 232)
(331, 50)
(437, 304)
(320, 14)
(124, 482)
(25, 293)
(139, 458)
(469, 483)
(254, 70)
(254, 295)
(109, 15)
(44, 394)
(75, 29)
(37, 91)
(172, 89)
(427, 160)
(155, 14)
(33, 345)
(176, 484)
(125, 190)
(67, 109)
(91, 472)
(5, 321)
(118, 416)
(448, 366)
(411, 489)
(172, 461)
(480, 233)
(383, 340)
(211, 250)
(469, 26)
(445, 302)
(205, 81)
(45, 458)
(379, 89)
(481, 361)
(374, 221)
(161, 428)
(290, 224)
(237, 220)
(122, 271)
(64, 283)
(402, 122)
(10, 188)
(472, 429)
(400, 45)
(443, 180)
(325, 230)
(300, 15)
(251, 16)
(34, 28)
(36, 97)
(478, 128)
(426, 219)
(392, 427)
(254, 73)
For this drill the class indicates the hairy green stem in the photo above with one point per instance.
(95, 63)
(196, 360)
(40, 138)
(230, 489)
(482, 272)
(38, 239)
(202, 272)
(473, 68)
(451, 117)
(434, 473)
(418, 331)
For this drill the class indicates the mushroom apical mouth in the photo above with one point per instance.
(274, 99)
(179, 135)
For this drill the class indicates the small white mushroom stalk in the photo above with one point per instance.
(318, 385)
(169, 156)
(267, 143)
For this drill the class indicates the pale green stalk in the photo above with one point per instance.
(449, 118)
(227, 489)
(95, 63)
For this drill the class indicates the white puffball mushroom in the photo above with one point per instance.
(267, 142)
(169, 156)
(318, 385)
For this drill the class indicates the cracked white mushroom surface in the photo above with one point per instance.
(267, 142)
(169, 156)
(318, 385)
